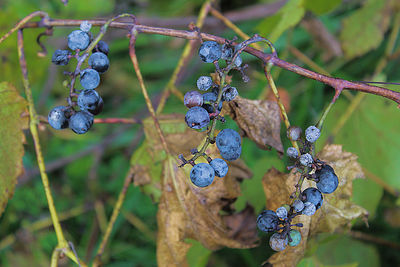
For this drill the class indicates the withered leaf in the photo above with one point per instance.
(336, 212)
(259, 120)
(187, 211)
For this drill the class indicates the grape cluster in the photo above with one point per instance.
(306, 202)
(88, 100)
(205, 108)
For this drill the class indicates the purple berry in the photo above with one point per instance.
(193, 99)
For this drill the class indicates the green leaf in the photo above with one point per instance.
(344, 251)
(372, 134)
(288, 16)
(11, 140)
(364, 29)
(320, 7)
(197, 255)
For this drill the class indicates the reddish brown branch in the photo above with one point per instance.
(266, 58)
(43, 119)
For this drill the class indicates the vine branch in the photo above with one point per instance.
(192, 35)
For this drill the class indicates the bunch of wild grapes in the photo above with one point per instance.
(204, 112)
(88, 100)
(305, 202)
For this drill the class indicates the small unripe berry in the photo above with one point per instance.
(292, 152)
(294, 133)
(306, 160)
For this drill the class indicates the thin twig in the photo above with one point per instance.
(54, 257)
(232, 26)
(34, 131)
(381, 182)
(183, 60)
(62, 243)
(267, 71)
(135, 62)
(114, 216)
(22, 23)
(374, 239)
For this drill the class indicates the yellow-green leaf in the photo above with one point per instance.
(11, 140)
(320, 7)
(364, 29)
(288, 16)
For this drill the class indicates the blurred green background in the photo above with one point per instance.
(347, 39)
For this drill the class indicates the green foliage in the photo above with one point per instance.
(341, 251)
(94, 180)
(371, 134)
(320, 7)
(364, 29)
(287, 17)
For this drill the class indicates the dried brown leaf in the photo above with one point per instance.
(259, 120)
(336, 212)
(187, 211)
(179, 137)
(338, 208)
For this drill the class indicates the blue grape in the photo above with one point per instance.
(204, 83)
(312, 134)
(197, 118)
(278, 242)
(267, 221)
(208, 102)
(193, 99)
(327, 179)
(309, 209)
(85, 26)
(298, 205)
(210, 51)
(90, 78)
(227, 52)
(101, 47)
(78, 40)
(229, 144)
(220, 167)
(99, 62)
(90, 100)
(61, 57)
(81, 122)
(229, 94)
(294, 133)
(57, 118)
(295, 236)
(202, 174)
(313, 195)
